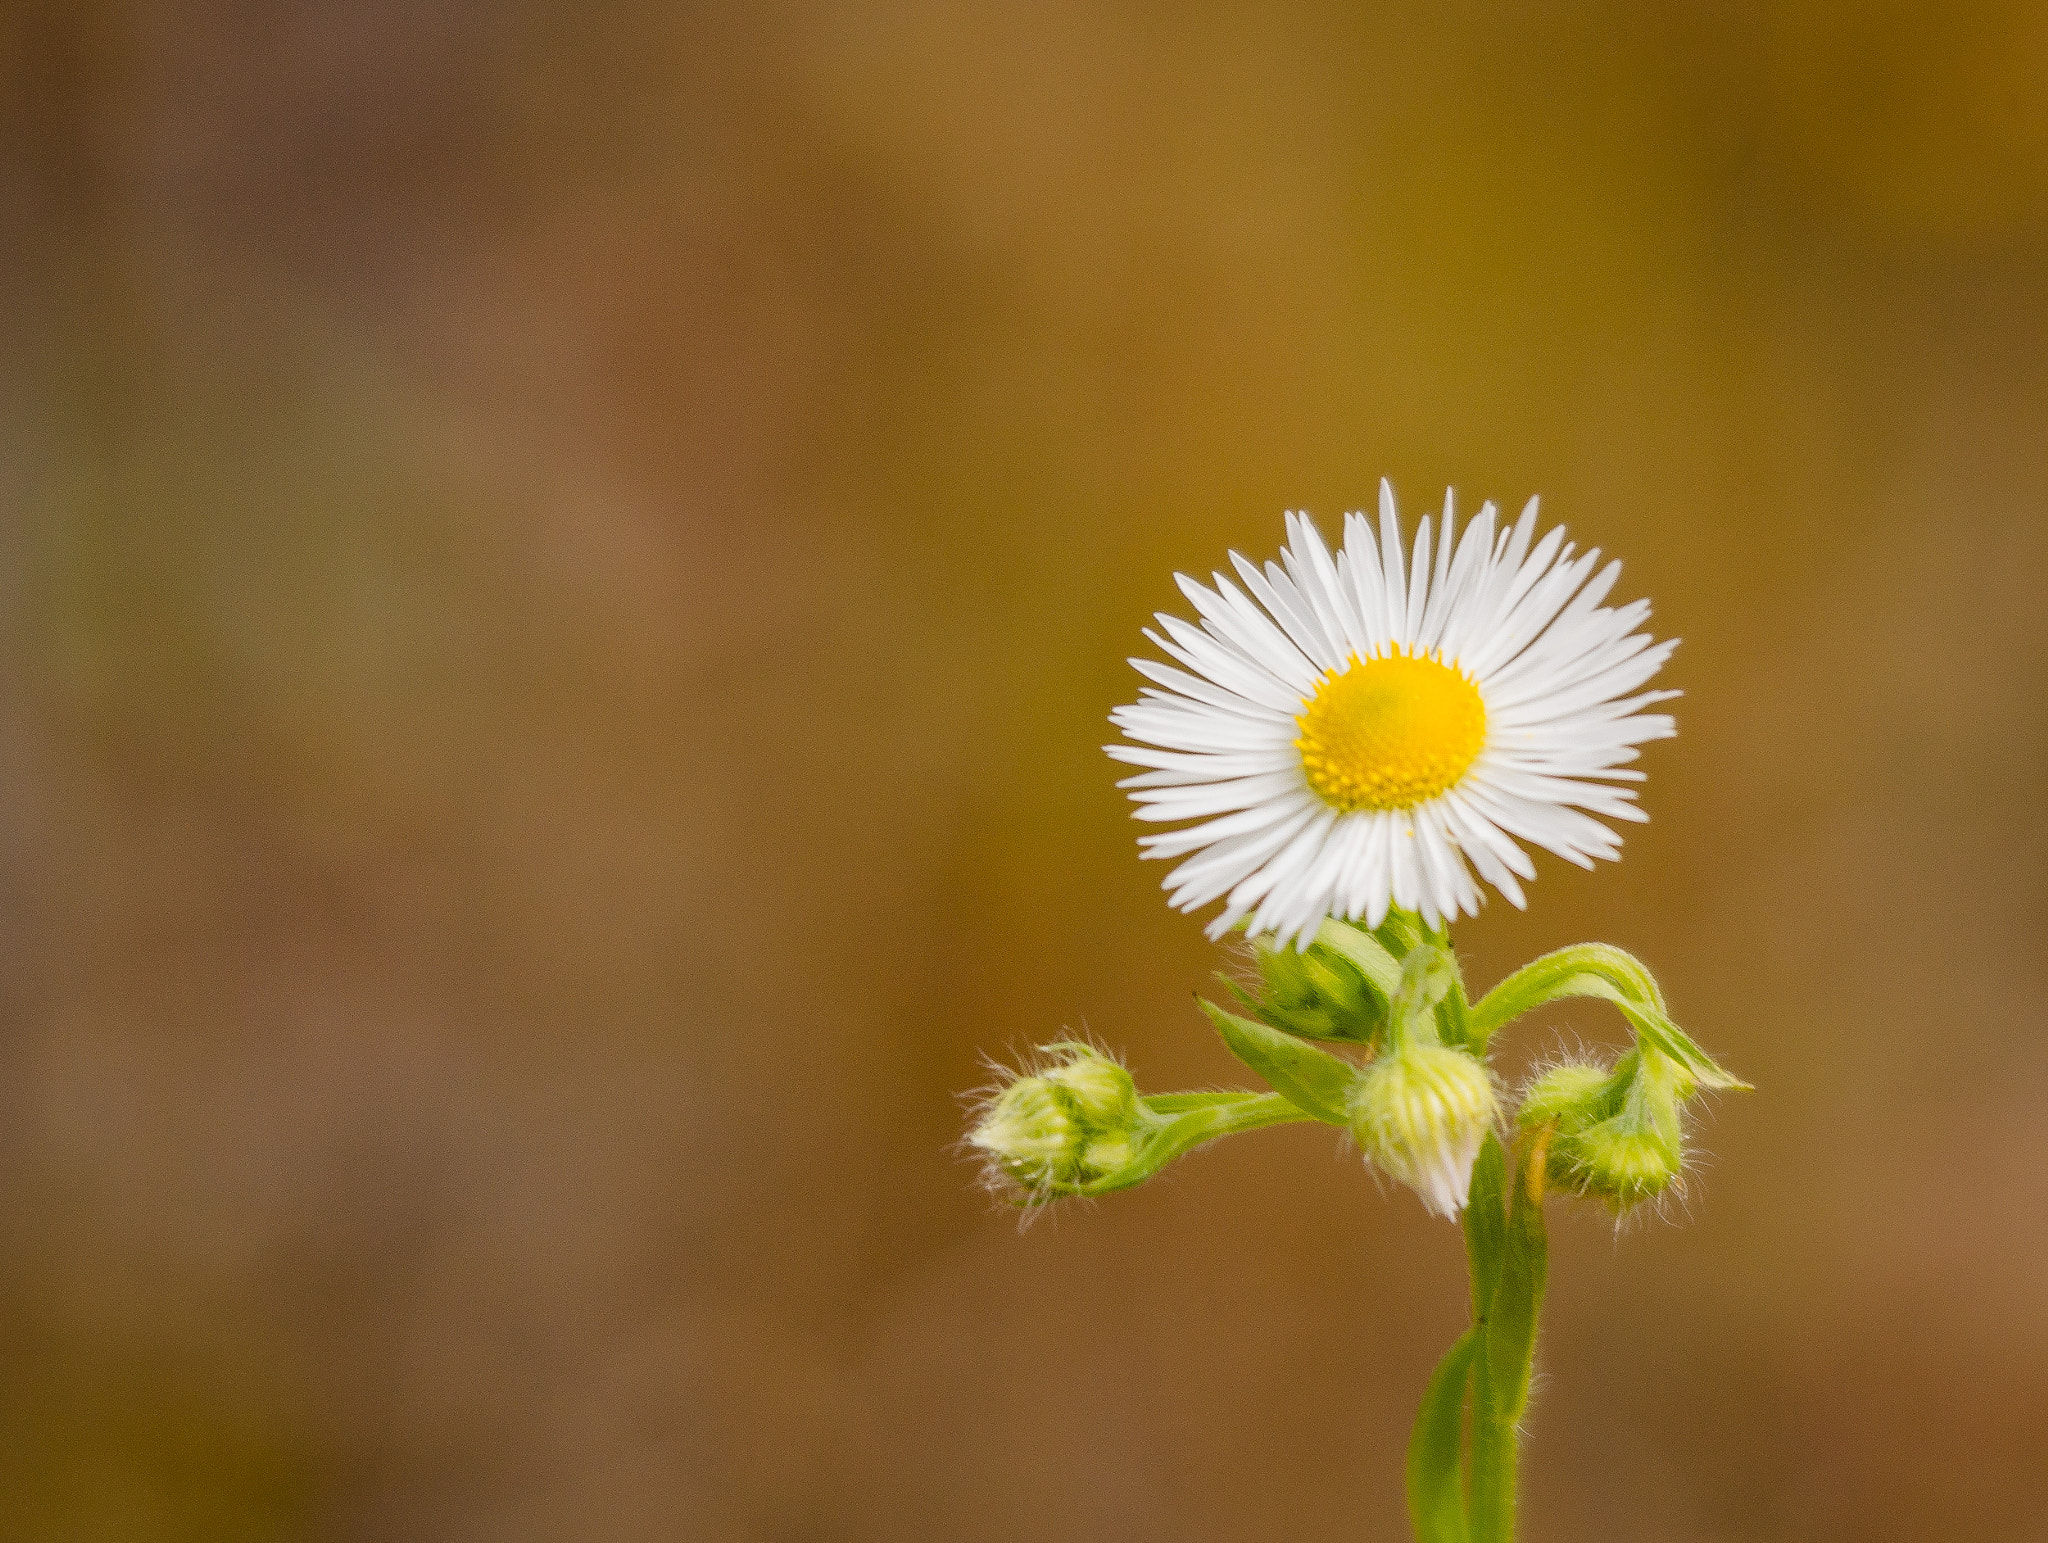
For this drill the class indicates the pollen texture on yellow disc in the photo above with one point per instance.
(1390, 732)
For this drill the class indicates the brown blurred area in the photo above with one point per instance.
(562, 571)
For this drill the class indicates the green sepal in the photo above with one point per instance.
(1316, 1082)
(1436, 1491)
(1613, 975)
(1401, 931)
(1314, 993)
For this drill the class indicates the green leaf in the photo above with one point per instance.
(1674, 1042)
(1318, 1083)
(1436, 1495)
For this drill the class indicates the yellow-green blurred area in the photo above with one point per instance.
(562, 573)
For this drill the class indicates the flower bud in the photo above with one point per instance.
(1617, 1161)
(1570, 1097)
(1315, 993)
(1102, 1091)
(1421, 1112)
(1617, 1140)
(1073, 1122)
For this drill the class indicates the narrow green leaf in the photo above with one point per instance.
(1317, 1082)
(1674, 1042)
(1436, 1495)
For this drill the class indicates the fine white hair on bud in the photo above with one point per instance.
(1421, 1112)
(1570, 1095)
(1030, 1132)
(1619, 1162)
(1061, 1124)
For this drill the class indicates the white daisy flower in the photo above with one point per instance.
(1362, 731)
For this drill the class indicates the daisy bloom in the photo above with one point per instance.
(1361, 731)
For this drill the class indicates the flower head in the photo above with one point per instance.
(1421, 1112)
(1360, 731)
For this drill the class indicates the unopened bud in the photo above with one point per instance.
(1421, 1112)
(1616, 1161)
(1570, 1097)
(1103, 1092)
(1618, 1140)
(1315, 993)
(1077, 1120)
(1030, 1130)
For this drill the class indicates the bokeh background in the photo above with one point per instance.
(563, 569)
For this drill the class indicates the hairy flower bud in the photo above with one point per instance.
(1076, 1120)
(1421, 1112)
(1617, 1137)
(1570, 1097)
(1104, 1095)
(1617, 1162)
(1314, 992)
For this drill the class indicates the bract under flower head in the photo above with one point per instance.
(1361, 731)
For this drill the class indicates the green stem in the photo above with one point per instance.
(1495, 1452)
(1507, 1249)
(1182, 1122)
(1205, 1122)
(1596, 970)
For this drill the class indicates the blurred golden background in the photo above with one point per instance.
(563, 573)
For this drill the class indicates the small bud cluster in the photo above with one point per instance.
(1616, 1134)
(1073, 1122)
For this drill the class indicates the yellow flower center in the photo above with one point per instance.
(1390, 732)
